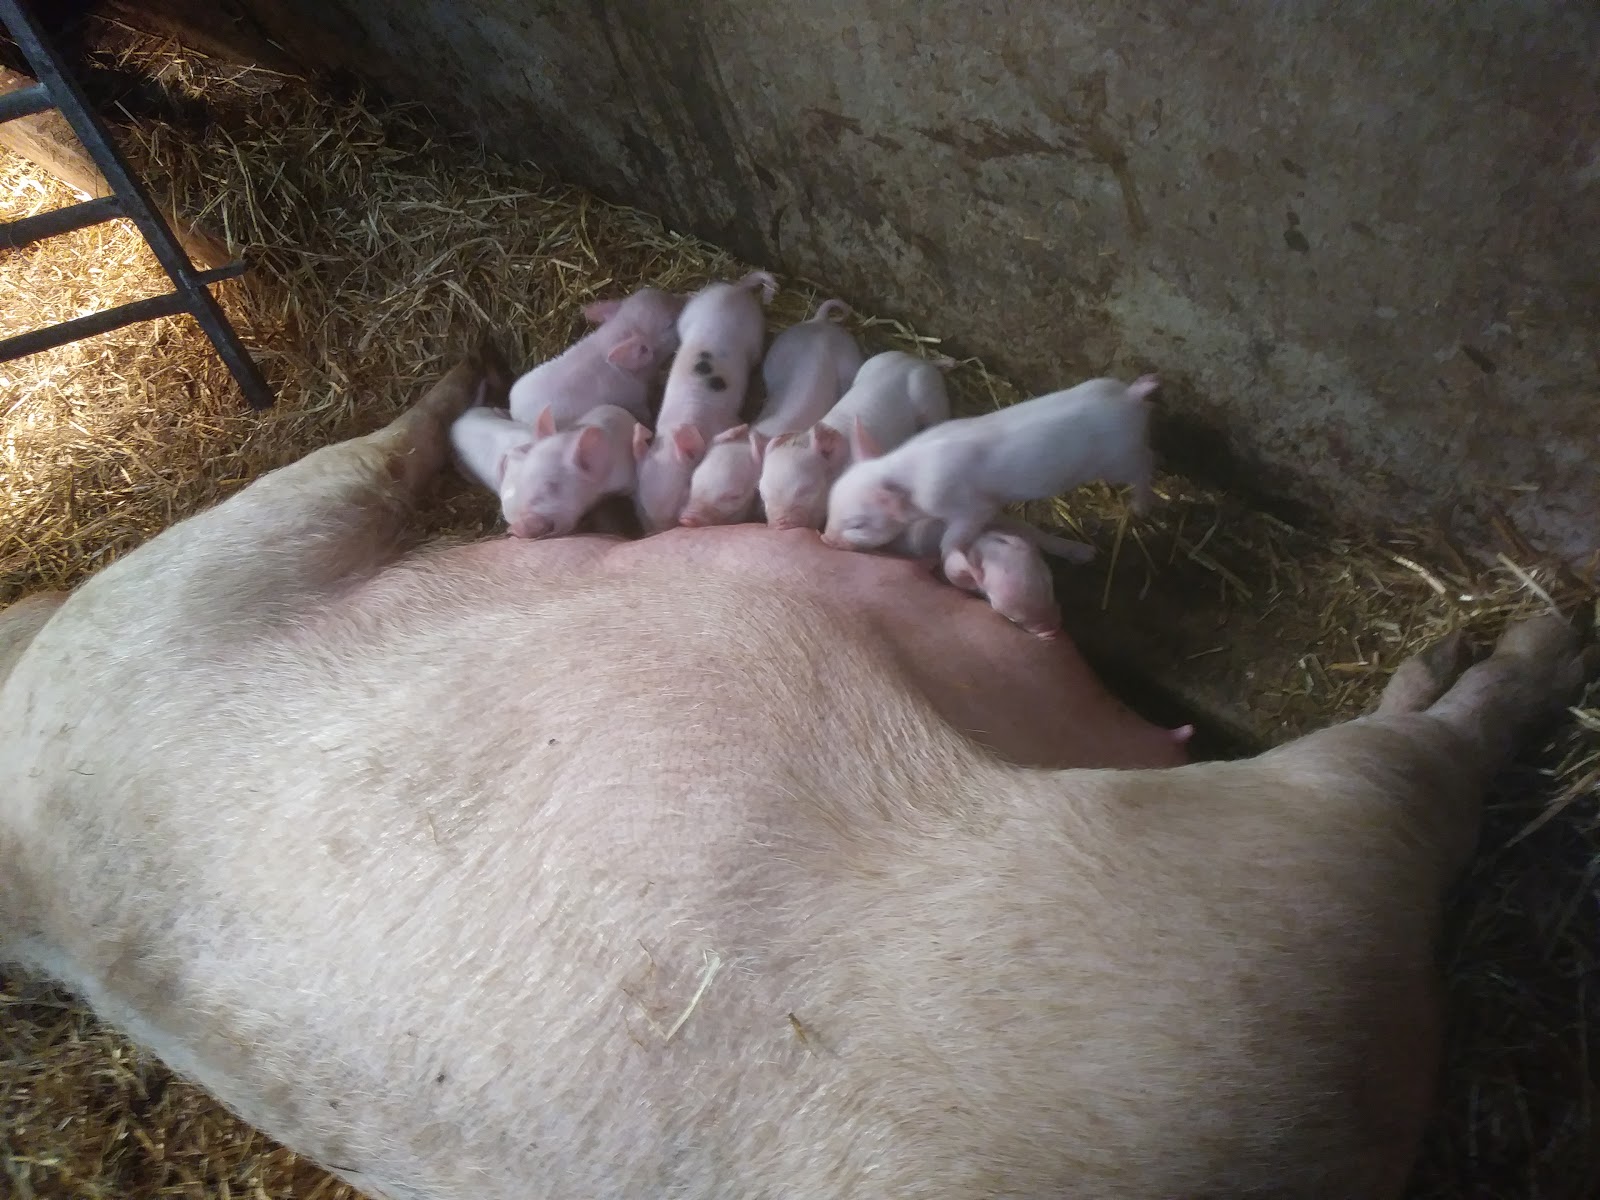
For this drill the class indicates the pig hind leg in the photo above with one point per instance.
(1536, 669)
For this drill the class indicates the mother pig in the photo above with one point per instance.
(452, 874)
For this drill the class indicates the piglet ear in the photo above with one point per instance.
(963, 571)
(632, 353)
(862, 443)
(730, 435)
(688, 442)
(507, 460)
(544, 425)
(974, 557)
(641, 442)
(598, 312)
(896, 501)
(589, 453)
(829, 442)
(758, 445)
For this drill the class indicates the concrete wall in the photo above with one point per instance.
(1362, 240)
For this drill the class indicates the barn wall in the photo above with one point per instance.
(1363, 243)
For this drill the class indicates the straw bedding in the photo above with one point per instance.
(381, 247)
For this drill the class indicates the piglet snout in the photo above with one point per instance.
(530, 527)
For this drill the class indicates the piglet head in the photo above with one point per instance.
(555, 482)
(723, 487)
(1011, 572)
(867, 509)
(794, 479)
(664, 475)
(641, 331)
(763, 280)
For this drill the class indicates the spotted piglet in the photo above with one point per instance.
(808, 368)
(721, 333)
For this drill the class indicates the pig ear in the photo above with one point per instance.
(974, 557)
(829, 443)
(641, 442)
(513, 455)
(896, 501)
(544, 425)
(862, 442)
(598, 312)
(588, 453)
(688, 442)
(730, 435)
(631, 354)
(758, 445)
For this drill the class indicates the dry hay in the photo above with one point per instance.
(384, 247)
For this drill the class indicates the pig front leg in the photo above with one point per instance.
(294, 535)
(342, 510)
(1536, 668)
(1440, 733)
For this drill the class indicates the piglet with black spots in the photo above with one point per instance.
(722, 331)
(808, 368)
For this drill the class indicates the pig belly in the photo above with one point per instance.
(682, 867)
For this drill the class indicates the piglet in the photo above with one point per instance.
(894, 395)
(963, 472)
(1009, 570)
(614, 364)
(721, 330)
(921, 540)
(808, 368)
(548, 479)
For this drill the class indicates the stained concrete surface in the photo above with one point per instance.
(1359, 240)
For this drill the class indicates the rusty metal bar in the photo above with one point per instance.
(136, 203)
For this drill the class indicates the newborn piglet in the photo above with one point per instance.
(921, 539)
(721, 333)
(1008, 569)
(963, 472)
(548, 479)
(893, 396)
(615, 363)
(807, 369)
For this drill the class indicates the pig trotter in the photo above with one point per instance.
(1536, 669)
(1423, 678)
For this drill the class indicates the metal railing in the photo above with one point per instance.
(57, 89)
